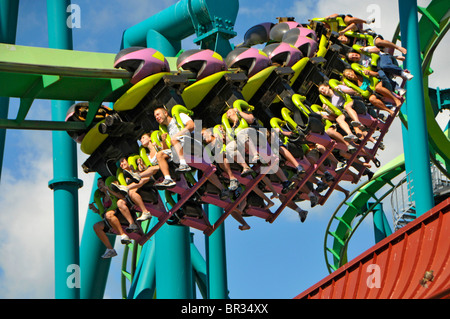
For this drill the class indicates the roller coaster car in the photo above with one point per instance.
(333, 24)
(137, 105)
(117, 135)
(141, 62)
(211, 95)
(361, 108)
(310, 169)
(263, 89)
(319, 29)
(304, 39)
(257, 34)
(334, 64)
(79, 112)
(307, 75)
(279, 30)
(215, 87)
(324, 139)
(137, 235)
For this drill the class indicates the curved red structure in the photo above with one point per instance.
(412, 263)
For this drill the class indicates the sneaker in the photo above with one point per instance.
(144, 217)
(234, 184)
(350, 138)
(321, 186)
(381, 146)
(257, 158)
(408, 76)
(119, 188)
(302, 214)
(340, 166)
(166, 183)
(135, 177)
(109, 253)
(300, 169)
(351, 149)
(368, 173)
(401, 91)
(247, 171)
(124, 239)
(133, 228)
(356, 124)
(224, 194)
(329, 177)
(287, 186)
(314, 200)
(183, 168)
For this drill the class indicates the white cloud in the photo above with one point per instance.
(27, 247)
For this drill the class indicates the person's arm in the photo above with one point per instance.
(347, 90)
(371, 49)
(163, 141)
(189, 126)
(248, 117)
(370, 73)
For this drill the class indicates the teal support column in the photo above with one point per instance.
(408, 157)
(216, 257)
(9, 10)
(94, 269)
(173, 263)
(381, 225)
(417, 127)
(144, 281)
(199, 269)
(65, 183)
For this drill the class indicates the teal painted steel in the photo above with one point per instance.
(417, 128)
(144, 279)
(211, 20)
(381, 225)
(199, 269)
(9, 10)
(94, 269)
(65, 183)
(216, 257)
(173, 263)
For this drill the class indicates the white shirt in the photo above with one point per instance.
(172, 127)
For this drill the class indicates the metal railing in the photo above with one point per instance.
(402, 198)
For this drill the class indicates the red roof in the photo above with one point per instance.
(412, 263)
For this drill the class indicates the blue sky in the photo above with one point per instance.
(278, 260)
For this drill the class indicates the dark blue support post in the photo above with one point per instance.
(417, 127)
(9, 10)
(65, 183)
(216, 257)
